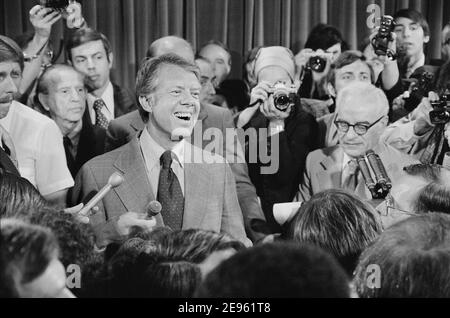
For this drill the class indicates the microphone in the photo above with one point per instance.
(153, 208)
(379, 170)
(114, 181)
(367, 176)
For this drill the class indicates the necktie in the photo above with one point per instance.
(350, 179)
(69, 157)
(100, 118)
(170, 194)
(8, 145)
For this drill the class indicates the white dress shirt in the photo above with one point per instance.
(152, 153)
(108, 98)
(39, 149)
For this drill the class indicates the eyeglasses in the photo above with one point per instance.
(359, 128)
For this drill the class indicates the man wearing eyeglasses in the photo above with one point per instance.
(361, 118)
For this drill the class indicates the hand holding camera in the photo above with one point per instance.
(275, 101)
(383, 41)
(42, 19)
(68, 9)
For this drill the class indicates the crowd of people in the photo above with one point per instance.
(170, 190)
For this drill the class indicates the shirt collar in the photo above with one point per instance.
(107, 97)
(345, 161)
(152, 151)
(420, 62)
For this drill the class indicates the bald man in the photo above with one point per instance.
(123, 129)
(361, 118)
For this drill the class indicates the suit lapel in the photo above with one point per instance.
(331, 172)
(135, 192)
(123, 103)
(196, 188)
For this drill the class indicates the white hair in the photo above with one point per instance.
(364, 91)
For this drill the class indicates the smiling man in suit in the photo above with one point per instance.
(195, 188)
(361, 118)
(122, 130)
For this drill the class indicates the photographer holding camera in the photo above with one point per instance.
(322, 48)
(276, 115)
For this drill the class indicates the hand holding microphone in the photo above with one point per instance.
(114, 181)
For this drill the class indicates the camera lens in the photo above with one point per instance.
(281, 102)
(317, 64)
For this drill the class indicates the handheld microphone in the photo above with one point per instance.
(367, 176)
(114, 181)
(153, 208)
(379, 170)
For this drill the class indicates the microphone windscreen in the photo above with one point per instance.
(154, 208)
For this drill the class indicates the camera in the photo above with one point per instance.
(380, 42)
(284, 96)
(318, 61)
(441, 110)
(419, 89)
(57, 5)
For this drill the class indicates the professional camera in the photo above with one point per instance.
(441, 110)
(57, 5)
(419, 89)
(284, 96)
(382, 39)
(318, 61)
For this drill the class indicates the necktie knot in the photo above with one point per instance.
(98, 104)
(166, 159)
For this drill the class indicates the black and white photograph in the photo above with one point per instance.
(224, 154)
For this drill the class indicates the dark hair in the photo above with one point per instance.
(347, 58)
(76, 240)
(339, 222)
(148, 75)
(276, 270)
(159, 275)
(26, 252)
(168, 266)
(19, 198)
(409, 259)
(10, 51)
(435, 196)
(324, 36)
(415, 16)
(83, 36)
(219, 44)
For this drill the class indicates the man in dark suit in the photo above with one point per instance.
(123, 129)
(90, 53)
(62, 94)
(196, 189)
(6, 155)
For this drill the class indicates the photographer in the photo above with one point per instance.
(417, 134)
(322, 48)
(37, 47)
(294, 129)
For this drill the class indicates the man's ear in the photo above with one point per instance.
(426, 39)
(111, 59)
(331, 90)
(146, 103)
(43, 99)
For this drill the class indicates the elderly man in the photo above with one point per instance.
(361, 118)
(291, 129)
(196, 189)
(62, 94)
(30, 138)
(123, 129)
(91, 54)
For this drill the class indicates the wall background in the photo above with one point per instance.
(132, 25)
